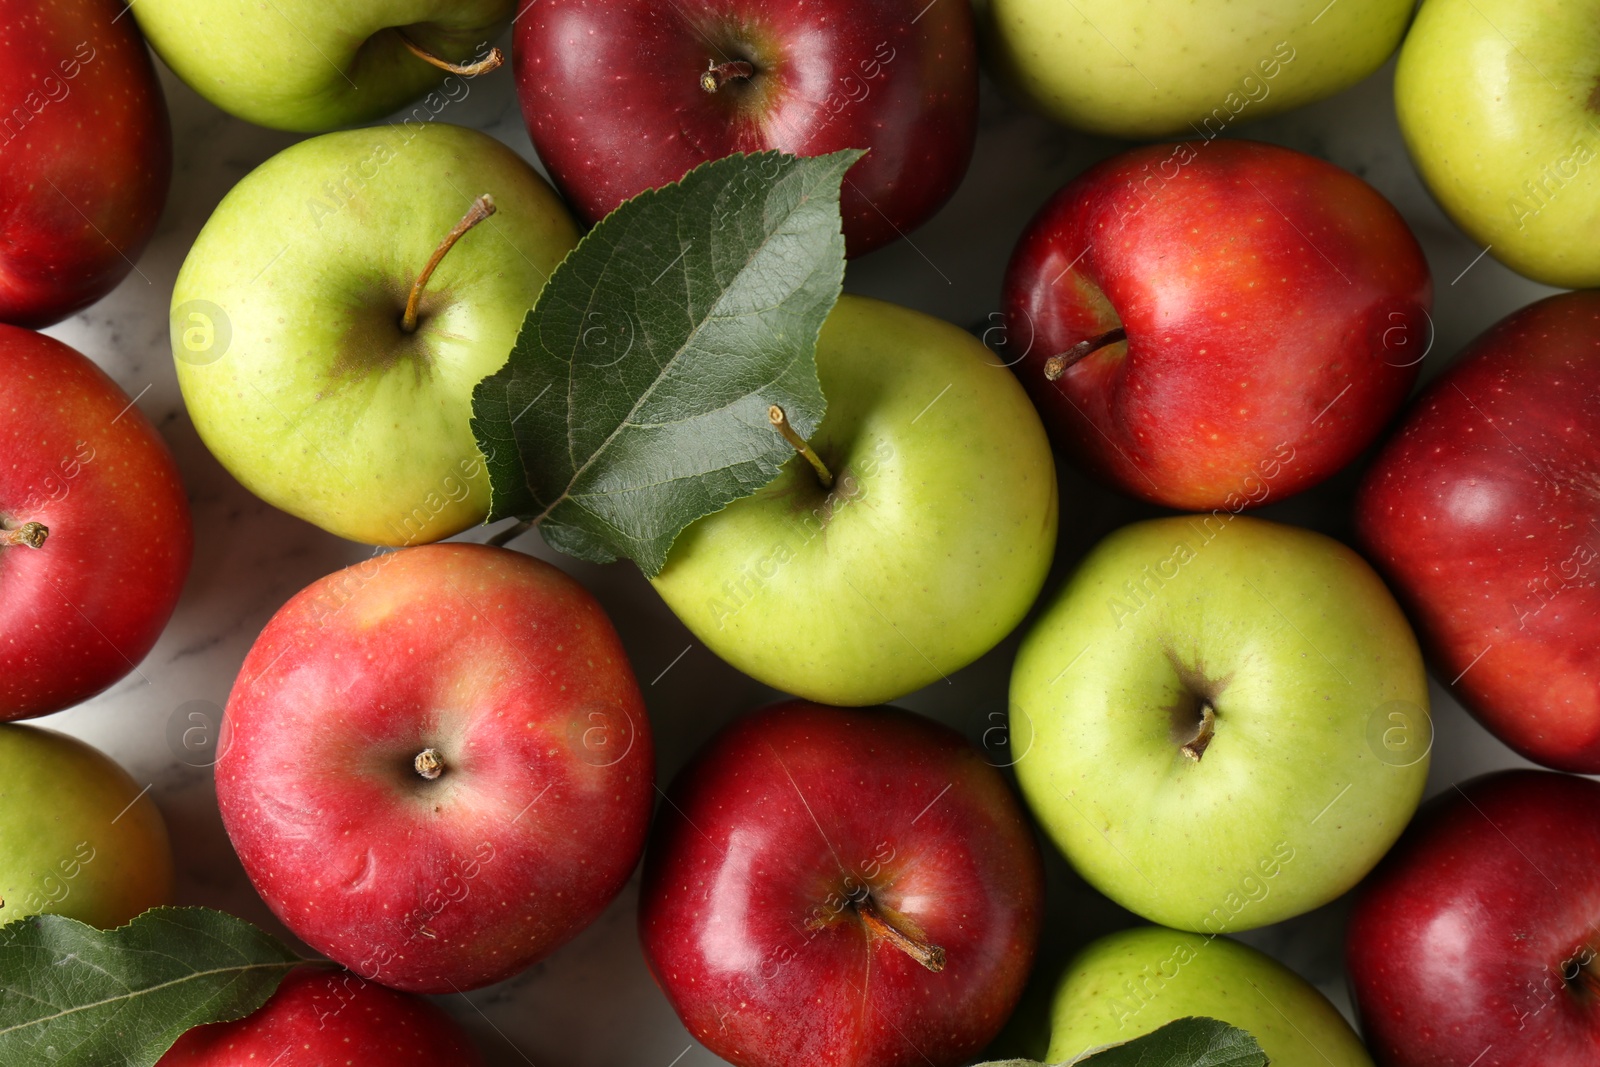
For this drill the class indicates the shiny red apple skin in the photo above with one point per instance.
(85, 154)
(76, 456)
(1276, 310)
(744, 913)
(612, 97)
(319, 1017)
(510, 671)
(1482, 513)
(1459, 941)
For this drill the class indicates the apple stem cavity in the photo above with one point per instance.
(1196, 746)
(930, 956)
(1057, 365)
(481, 209)
(780, 422)
(489, 62)
(31, 534)
(429, 764)
(722, 73)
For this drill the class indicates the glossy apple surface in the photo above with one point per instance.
(85, 155)
(1482, 512)
(1275, 310)
(286, 324)
(930, 547)
(81, 461)
(614, 98)
(315, 65)
(435, 765)
(1132, 982)
(1221, 721)
(78, 836)
(802, 850)
(1499, 106)
(320, 1017)
(1476, 940)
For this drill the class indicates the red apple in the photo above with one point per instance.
(320, 1017)
(1474, 943)
(1211, 324)
(85, 154)
(436, 765)
(850, 887)
(627, 95)
(1483, 512)
(95, 535)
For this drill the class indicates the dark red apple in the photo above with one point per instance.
(1474, 943)
(95, 535)
(627, 95)
(320, 1017)
(85, 154)
(850, 887)
(436, 766)
(1483, 511)
(1213, 324)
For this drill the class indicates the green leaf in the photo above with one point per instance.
(1191, 1042)
(75, 996)
(635, 400)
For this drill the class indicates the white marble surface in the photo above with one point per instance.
(593, 1003)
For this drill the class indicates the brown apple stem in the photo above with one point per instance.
(481, 209)
(467, 70)
(31, 534)
(1203, 733)
(930, 956)
(780, 422)
(1057, 365)
(722, 73)
(429, 764)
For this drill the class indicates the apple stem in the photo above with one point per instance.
(481, 209)
(722, 73)
(467, 70)
(1203, 733)
(930, 956)
(1057, 365)
(429, 764)
(31, 534)
(780, 422)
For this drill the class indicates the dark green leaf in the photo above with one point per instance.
(1192, 1042)
(635, 400)
(75, 996)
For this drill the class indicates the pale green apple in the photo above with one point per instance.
(286, 324)
(1499, 102)
(1132, 982)
(1221, 721)
(1158, 68)
(929, 549)
(78, 837)
(314, 65)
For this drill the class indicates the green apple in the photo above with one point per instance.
(1500, 107)
(1221, 721)
(928, 549)
(1156, 68)
(1132, 982)
(287, 324)
(78, 837)
(314, 65)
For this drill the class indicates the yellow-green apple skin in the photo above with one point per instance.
(78, 836)
(1499, 103)
(1154, 68)
(1320, 739)
(931, 546)
(1132, 982)
(315, 65)
(286, 324)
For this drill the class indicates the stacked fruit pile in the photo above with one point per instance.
(437, 767)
